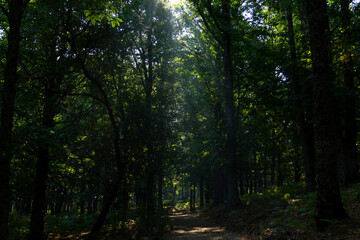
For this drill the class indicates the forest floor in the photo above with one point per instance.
(278, 213)
(195, 226)
(274, 215)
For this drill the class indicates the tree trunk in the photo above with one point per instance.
(230, 147)
(280, 175)
(160, 187)
(272, 171)
(39, 203)
(109, 199)
(241, 182)
(194, 196)
(218, 184)
(349, 142)
(207, 193)
(59, 199)
(120, 164)
(52, 85)
(191, 198)
(329, 204)
(90, 197)
(124, 202)
(16, 8)
(307, 140)
(201, 192)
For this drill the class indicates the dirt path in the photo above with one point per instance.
(192, 226)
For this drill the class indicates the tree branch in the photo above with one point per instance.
(3, 9)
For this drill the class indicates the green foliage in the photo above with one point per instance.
(18, 226)
(66, 223)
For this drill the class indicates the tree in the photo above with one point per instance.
(305, 127)
(219, 23)
(350, 129)
(14, 15)
(329, 204)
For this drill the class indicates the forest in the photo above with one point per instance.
(129, 119)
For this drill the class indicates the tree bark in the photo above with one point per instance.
(349, 142)
(329, 204)
(52, 85)
(230, 147)
(201, 192)
(16, 9)
(306, 129)
(191, 198)
(218, 183)
(207, 193)
(160, 187)
(109, 199)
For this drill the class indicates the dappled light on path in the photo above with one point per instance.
(192, 226)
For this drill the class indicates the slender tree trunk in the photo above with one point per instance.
(305, 128)
(109, 199)
(207, 193)
(160, 187)
(280, 175)
(16, 8)
(272, 171)
(120, 164)
(124, 202)
(194, 196)
(329, 204)
(201, 192)
(191, 198)
(59, 200)
(349, 142)
(90, 197)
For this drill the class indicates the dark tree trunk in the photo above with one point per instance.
(52, 84)
(306, 129)
(147, 64)
(16, 8)
(265, 182)
(329, 204)
(160, 187)
(95, 206)
(194, 196)
(272, 171)
(241, 182)
(109, 199)
(82, 200)
(59, 199)
(250, 183)
(350, 151)
(191, 198)
(201, 192)
(39, 203)
(207, 193)
(280, 175)
(256, 179)
(90, 198)
(120, 164)
(218, 184)
(124, 202)
(150, 204)
(230, 147)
